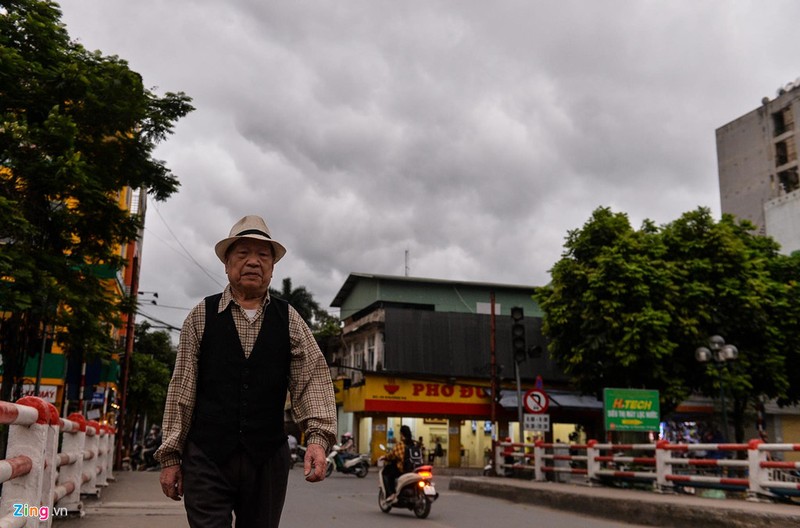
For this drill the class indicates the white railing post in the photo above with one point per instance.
(112, 443)
(499, 470)
(70, 475)
(538, 462)
(592, 464)
(90, 453)
(50, 465)
(26, 441)
(102, 455)
(756, 473)
(663, 467)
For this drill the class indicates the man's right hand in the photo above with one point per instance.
(172, 482)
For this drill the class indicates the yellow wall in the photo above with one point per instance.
(791, 435)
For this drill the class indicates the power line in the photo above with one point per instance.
(154, 304)
(186, 251)
(159, 321)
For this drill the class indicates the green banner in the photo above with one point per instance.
(631, 410)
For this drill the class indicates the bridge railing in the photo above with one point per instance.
(39, 481)
(664, 466)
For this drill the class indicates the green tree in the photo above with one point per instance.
(320, 321)
(628, 308)
(77, 127)
(151, 367)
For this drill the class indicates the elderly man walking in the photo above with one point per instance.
(225, 450)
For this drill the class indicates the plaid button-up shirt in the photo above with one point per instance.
(310, 387)
(397, 454)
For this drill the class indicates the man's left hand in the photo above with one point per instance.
(314, 463)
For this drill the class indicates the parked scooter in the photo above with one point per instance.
(357, 465)
(415, 491)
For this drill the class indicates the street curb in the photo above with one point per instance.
(633, 506)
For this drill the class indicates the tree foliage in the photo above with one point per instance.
(76, 127)
(628, 308)
(322, 324)
(151, 367)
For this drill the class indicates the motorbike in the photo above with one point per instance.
(296, 456)
(415, 491)
(357, 465)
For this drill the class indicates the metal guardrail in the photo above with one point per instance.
(663, 465)
(39, 481)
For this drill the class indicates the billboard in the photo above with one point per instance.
(631, 410)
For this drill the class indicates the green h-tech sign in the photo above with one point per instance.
(631, 410)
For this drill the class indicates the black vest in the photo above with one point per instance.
(240, 400)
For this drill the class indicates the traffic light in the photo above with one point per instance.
(518, 335)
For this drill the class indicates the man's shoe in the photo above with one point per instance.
(391, 497)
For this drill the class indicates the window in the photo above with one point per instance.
(781, 154)
(789, 180)
(783, 121)
(371, 352)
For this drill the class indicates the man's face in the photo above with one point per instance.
(248, 265)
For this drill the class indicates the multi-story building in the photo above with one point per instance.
(758, 167)
(759, 181)
(418, 352)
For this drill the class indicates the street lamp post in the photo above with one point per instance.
(720, 353)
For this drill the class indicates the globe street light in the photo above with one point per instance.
(720, 353)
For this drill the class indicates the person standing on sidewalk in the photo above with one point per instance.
(225, 450)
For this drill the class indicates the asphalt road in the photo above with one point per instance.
(344, 500)
(135, 501)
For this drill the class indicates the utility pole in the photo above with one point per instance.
(519, 348)
(493, 363)
(130, 328)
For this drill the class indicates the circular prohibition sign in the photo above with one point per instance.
(536, 401)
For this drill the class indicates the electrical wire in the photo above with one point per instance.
(159, 321)
(154, 304)
(186, 251)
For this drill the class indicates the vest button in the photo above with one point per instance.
(245, 386)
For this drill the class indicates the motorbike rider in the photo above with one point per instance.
(346, 450)
(347, 443)
(394, 463)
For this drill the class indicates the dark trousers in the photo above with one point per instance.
(390, 475)
(255, 493)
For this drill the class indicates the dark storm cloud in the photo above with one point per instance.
(472, 134)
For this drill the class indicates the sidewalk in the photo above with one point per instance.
(637, 506)
(133, 501)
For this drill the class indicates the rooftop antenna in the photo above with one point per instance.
(407, 268)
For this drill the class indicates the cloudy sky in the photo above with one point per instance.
(471, 134)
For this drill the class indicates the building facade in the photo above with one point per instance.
(759, 181)
(758, 167)
(418, 352)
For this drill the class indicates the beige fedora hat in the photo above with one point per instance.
(251, 226)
